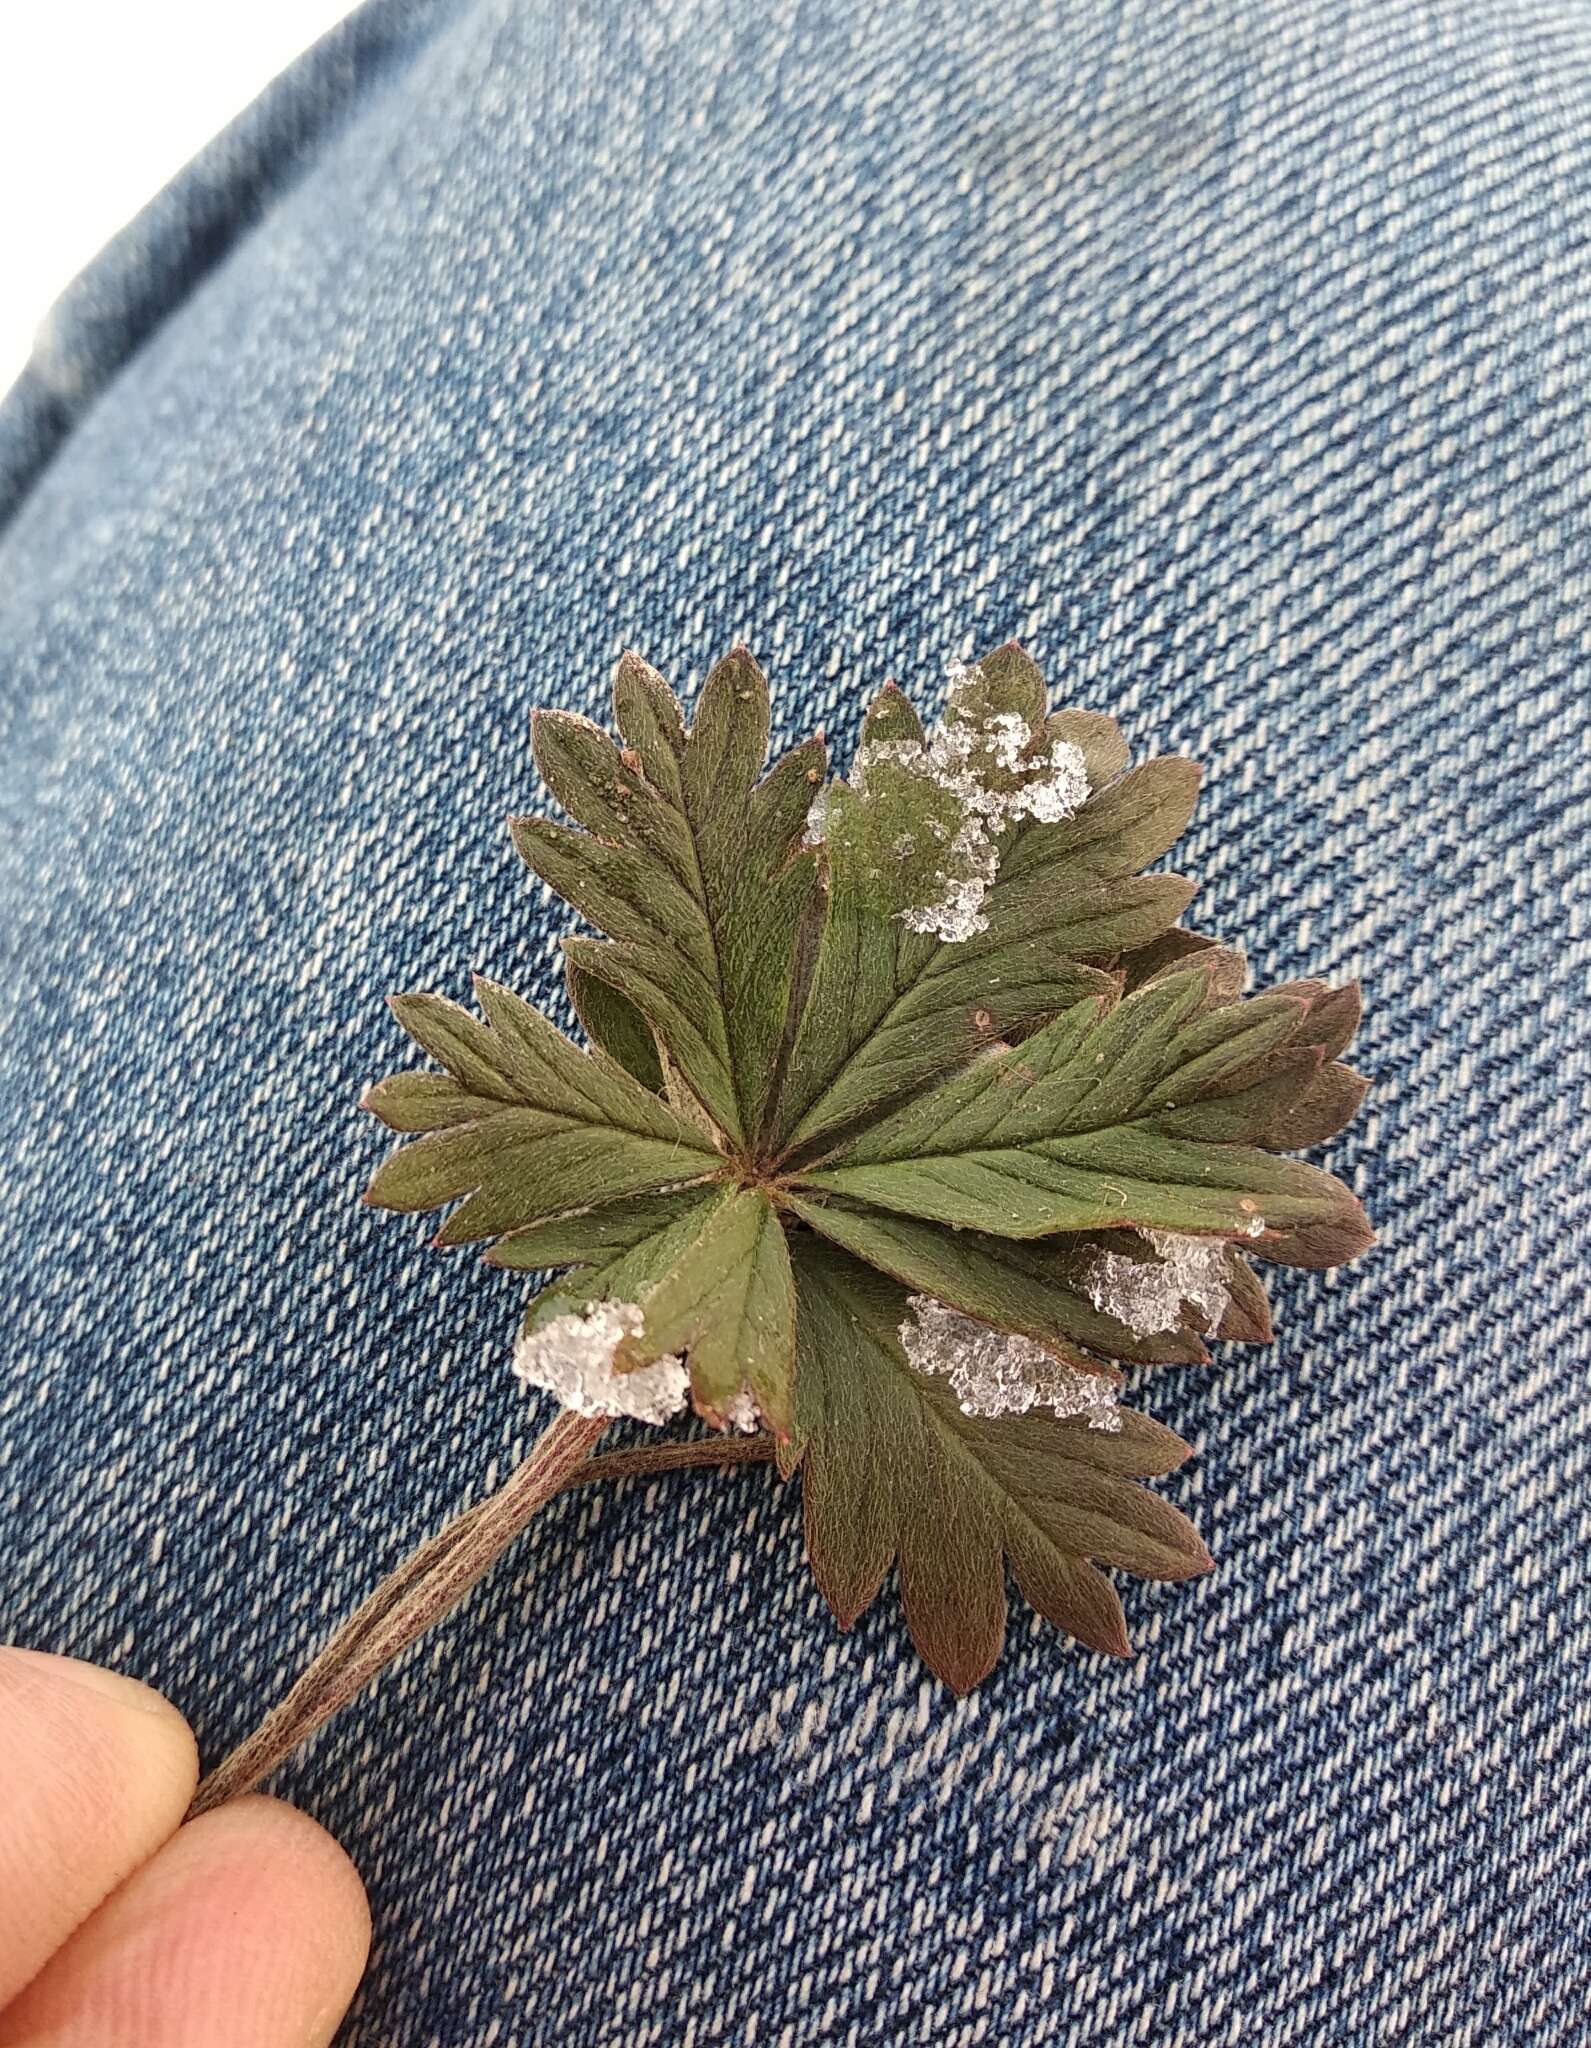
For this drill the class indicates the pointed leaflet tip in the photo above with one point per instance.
(1006, 680)
(890, 716)
(1333, 1241)
(650, 718)
(631, 664)
(1335, 1017)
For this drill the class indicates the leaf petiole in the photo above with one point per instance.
(433, 1579)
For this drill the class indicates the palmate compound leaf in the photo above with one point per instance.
(978, 1078)
(893, 1472)
(694, 868)
(894, 1005)
(1152, 1112)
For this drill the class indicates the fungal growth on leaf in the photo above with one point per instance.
(572, 1358)
(911, 1120)
(992, 1372)
(1146, 1290)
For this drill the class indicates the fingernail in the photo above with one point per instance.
(48, 1669)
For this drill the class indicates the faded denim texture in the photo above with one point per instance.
(1232, 355)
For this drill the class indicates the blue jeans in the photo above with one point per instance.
(1231, 356)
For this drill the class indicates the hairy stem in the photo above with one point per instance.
(432, 1580)
(646, 1459)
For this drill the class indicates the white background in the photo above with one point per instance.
(101, 101)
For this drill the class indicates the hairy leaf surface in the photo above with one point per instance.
(613, 1022)
(1147, 1114)
(1035, 1287)
(893, 1473)
(522, 1125)
(892, 1008)
(709, 1269)
(728, 1303)
(693, 867)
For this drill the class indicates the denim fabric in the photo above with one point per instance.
(1233, 355)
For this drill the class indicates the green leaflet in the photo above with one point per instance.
(597, 1238)
(622, 1249)
(1139, 1114)
(1335, 1094)
(892, 1472)
(892, 1008)
(1174, 949)
(522, 1125)
(1121, 829)
(729, 1303)
(1096, 737)
(691, 865)
(1007, 681)
(1334, 1097)
(710, 1272)
(1248, 1313)
(1033, 1287)
(612, 1022)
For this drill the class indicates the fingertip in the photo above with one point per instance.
(317, 1866)
(96, 1770)
(248, 1929)
(38, 1673)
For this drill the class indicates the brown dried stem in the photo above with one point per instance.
(432, 1580)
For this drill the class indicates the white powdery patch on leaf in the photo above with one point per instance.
(742, 1415)
(1147, 1294)
(571, 1358)
(817, 820)
(958, 912)
(967, 762)
(992, 1373)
